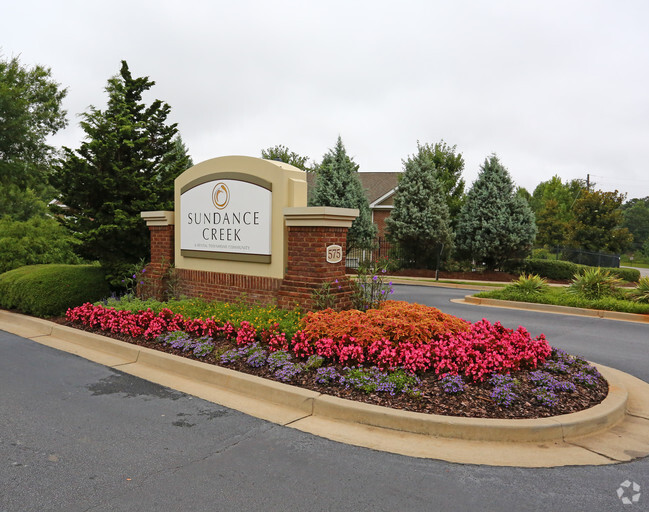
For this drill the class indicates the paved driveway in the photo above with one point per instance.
(76, 436)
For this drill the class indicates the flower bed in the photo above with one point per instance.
(402, 355)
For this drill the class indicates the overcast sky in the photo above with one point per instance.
(551, 87)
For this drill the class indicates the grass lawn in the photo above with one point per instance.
(634, 263)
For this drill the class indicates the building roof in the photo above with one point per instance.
(375, 184)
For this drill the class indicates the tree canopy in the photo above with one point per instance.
(494, 223)
(552, 202)
(337, 184)
(598, 223)
(283, 154)
(30, 111)
(448, 166)
(636, 220)
(419, 222)
(126, 165)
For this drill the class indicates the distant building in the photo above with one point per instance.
(379, 188)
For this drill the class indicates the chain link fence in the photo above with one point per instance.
(593, 259)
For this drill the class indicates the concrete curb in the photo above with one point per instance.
(551, 308)
(450, 438)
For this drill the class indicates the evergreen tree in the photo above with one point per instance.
(283, 154)
(419, 222)
(495, 223)
(337, 184)
(125, 166)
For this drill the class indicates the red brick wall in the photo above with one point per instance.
(307, 270)
(227, 287)
(162, 257)
(379, 220)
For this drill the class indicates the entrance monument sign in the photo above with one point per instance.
(241, 230)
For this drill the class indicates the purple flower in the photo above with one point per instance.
(452, 384)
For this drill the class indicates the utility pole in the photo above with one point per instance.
(588, 182)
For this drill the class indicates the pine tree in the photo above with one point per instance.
(337, 184)
(125, 166)
(419, 222)
(495, 224)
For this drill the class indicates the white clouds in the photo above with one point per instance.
(552, 87)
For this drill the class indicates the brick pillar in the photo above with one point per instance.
(161, 228)
(311, 231)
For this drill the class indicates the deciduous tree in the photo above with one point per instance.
(636, 220)
(598, 223)
(283, 154)
(30, 111)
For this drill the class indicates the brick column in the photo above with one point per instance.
(161, 227)
(311, 231)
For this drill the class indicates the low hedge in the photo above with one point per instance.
(49, 290)
(565, 270)
(560, 297)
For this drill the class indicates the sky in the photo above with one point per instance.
(551, 87)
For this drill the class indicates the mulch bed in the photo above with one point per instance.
(474, 402)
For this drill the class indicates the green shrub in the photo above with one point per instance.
(35, 241)
(529, 284)
(565, 270)
(551, 269)
(49, 290)
(641, 292)
(595, 283)
(542, 254)
(630, 275)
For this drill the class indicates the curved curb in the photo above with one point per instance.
(551, 308)
(569, 439)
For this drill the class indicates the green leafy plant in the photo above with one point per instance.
(529, 284)
(323, 298)
(135, 276)
(594, 283)
(371, 289)
(641, 292)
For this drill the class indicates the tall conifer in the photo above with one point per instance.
(337, 184)
(494, 223)
(420, 222)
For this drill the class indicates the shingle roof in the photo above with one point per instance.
(375, 184)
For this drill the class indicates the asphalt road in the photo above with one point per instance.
(76, 436)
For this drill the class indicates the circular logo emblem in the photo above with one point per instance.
(220, 195)
(625, 494)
